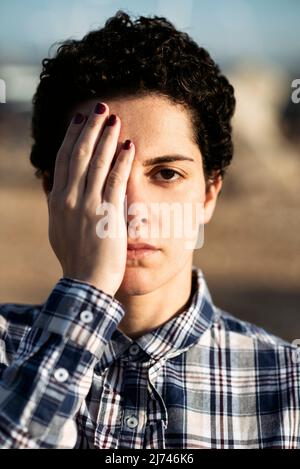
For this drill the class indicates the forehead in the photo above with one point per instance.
(153, 123)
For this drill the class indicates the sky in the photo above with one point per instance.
(265, 30)
(262, 32)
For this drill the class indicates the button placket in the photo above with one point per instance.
(132, 421)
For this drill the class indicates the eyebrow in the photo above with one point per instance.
(166, 159)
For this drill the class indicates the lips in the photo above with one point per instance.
(138, 246)
(140, 250)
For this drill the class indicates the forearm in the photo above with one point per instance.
(42, 389)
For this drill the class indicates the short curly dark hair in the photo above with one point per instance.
(126, 57)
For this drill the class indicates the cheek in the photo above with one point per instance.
(171, 215)
(179, 227)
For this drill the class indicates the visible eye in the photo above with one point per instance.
(167, 175)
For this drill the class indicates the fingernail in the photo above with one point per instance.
(79, 118)
(111, 120)
(127, 144)
(100, 108)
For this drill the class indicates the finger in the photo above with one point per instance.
(101, 161)
(83, 150)
(60, 178)
(116, 183)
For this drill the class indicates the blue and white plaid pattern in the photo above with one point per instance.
(71, 379)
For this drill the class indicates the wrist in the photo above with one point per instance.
(93, 281)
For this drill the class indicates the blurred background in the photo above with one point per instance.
(251, 253)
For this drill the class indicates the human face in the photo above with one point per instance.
(157, 128)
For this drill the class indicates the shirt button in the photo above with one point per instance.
(86, 316)
(61, 375)
(134, 349)
(132, 422)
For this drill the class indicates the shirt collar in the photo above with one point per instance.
(176, 335)
(182, 331)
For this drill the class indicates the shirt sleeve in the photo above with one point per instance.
(42, 389)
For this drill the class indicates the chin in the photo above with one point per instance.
(138, 281)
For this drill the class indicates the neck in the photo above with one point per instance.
(149, 311)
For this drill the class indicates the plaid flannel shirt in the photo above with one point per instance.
(71, 379)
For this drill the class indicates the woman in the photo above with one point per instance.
(129, 351)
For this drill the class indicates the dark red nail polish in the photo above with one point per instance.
(100, 108)
(112, 120)
(127, 144)
(79, 118)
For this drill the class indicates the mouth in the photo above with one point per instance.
(138, 251)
